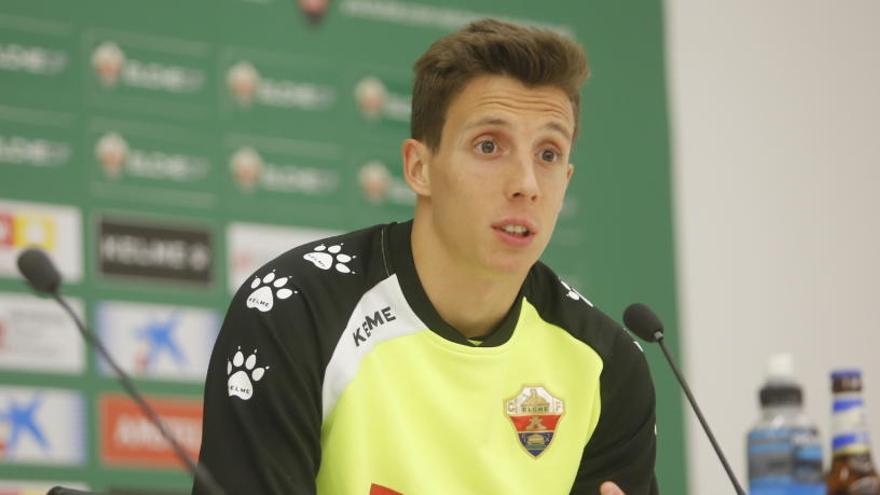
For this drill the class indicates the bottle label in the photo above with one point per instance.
(849, 425)
(851, 443)
(845, 403)
(785, 461)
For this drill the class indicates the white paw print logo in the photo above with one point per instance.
(263, 298)
(241, 383)
(574, 294)
(327, 257)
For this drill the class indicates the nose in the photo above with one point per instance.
(522, 181)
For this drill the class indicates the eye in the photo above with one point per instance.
(486, 146)
(549, 155)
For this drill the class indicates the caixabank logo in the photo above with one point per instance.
(54, 228)
(41, 426)
(164, 342)
(248, 87)
(37, 335)
(171, 251)
(129, 439)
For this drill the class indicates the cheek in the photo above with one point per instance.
(463, 184)
(554, 187)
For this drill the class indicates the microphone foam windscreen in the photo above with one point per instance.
(39, 271)
(642, 321)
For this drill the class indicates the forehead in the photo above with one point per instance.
(508, 99)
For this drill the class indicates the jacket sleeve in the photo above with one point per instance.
(262, 401)
(622, 449)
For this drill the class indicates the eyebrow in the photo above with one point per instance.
(498, 121)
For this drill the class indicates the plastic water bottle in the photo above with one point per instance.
(784, 449)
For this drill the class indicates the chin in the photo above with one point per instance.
(509, 264)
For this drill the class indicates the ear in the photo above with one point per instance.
(568, 173)
(416, 166)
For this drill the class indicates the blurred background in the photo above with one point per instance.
(726, 174)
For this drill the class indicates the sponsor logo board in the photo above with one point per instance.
(254, 82)
(39, 146)
(416, 14)
(383, 98)
(150, 74)
(252, 171)
(41, 426)
(54, 228)
(129, 439)
(32, 59)
(286, 180)
(37, 335)
(21, 487)
(251, 245)
(149, 71)
(157, 341)
(380, 187)
(36, 61)
(167, 252)
(148, 155)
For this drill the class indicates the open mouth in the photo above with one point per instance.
(515, 230)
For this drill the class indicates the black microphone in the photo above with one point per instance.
(41, 274)
(643, 322)
(39, 271)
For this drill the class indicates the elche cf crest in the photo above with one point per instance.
(535, 413)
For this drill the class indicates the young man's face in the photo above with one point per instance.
(498, 177)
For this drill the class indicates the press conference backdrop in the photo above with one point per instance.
(161, 151)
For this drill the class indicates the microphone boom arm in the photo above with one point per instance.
(198, 472)
(696, 408)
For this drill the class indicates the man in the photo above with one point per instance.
(438, 356)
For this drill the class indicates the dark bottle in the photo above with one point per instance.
(852, 472)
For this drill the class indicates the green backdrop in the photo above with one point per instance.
(205, 85)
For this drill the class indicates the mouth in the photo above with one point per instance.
(515, 228)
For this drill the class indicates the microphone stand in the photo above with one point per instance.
(199, 472)
(658, 336)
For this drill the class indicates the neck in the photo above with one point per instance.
(469, 298)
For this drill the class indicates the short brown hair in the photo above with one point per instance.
(532, 56)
